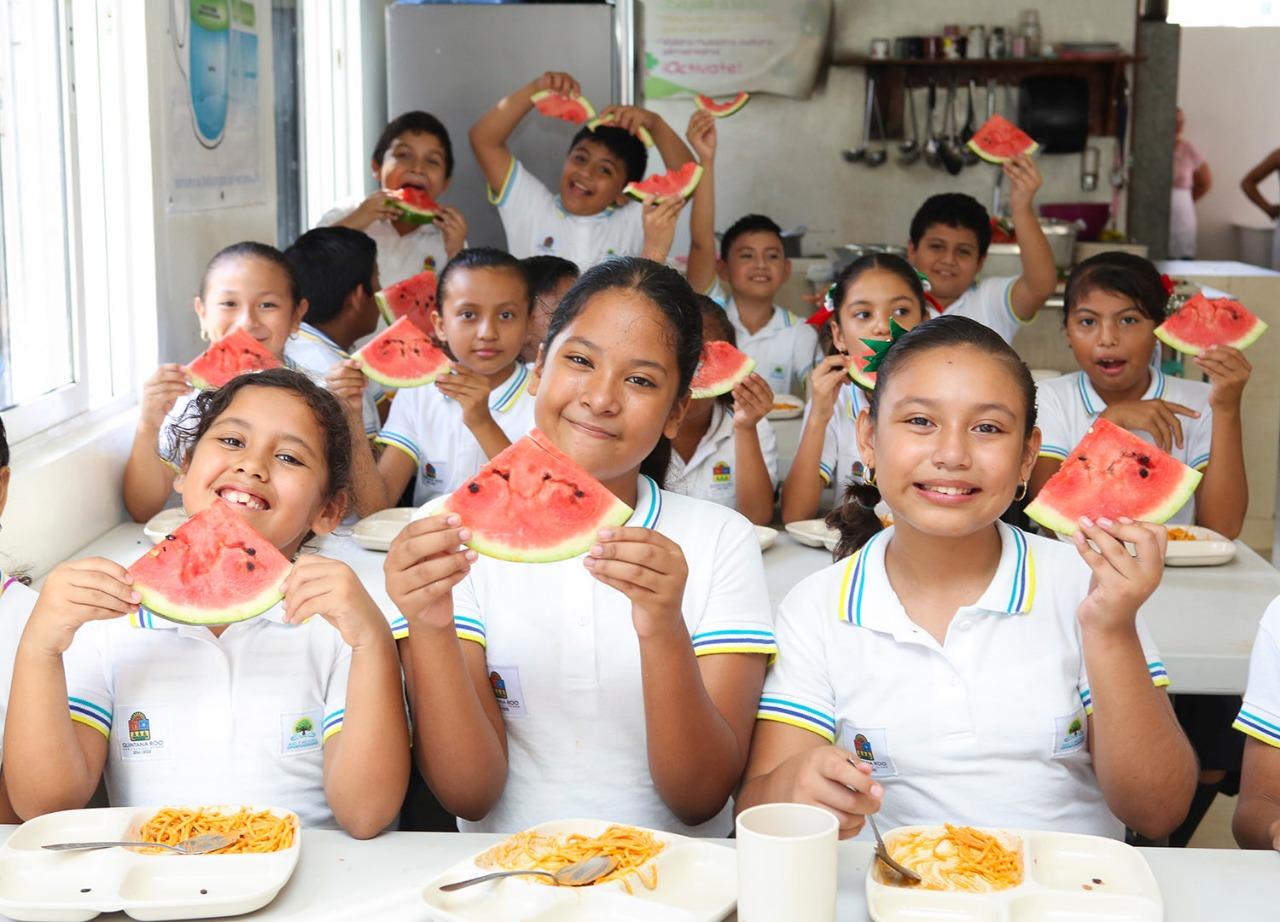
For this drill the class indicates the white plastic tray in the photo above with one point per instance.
(164, 523)
(697, 882)
(812, 532)
(1066, 878)
(376, 532)
(766, 536)
(76, 886)
(786, 406)
(1210, 549)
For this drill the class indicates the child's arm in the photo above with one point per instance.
(346, 382)
(753, 489)
(489, 134)
(802, 490)
(52, 762)
(472, 391)
(1145, 766)
(659, 219)
(376, 207)
(670, 147)
(1249, 185)
(459, 739)
(148, 481)
(1039, 274)
(1256, 823)
(701, 270)
(396, 470)
(366, 764)
(1223, 495)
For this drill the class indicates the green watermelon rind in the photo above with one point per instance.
(587, 108)
(641, 132)
(411, 213)
(1175, 342)
(637, 191)
(158, 604)
(725, 385)
(860, 378)
(717, 111)
(384, 307)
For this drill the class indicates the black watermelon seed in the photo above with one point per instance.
(251, 551)
(546, 476)
(203, 892)
(473, 487)
(250, 566)
(505, 475)
(169, 538)
(1084, 457)
(1144, 460)
(85, 889)
(1143, 472)
(578, 494)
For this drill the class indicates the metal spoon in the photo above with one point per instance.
(196, 845)
(878, 156)
(578, 874)
(970, 157)
(909, 150)
(932, 144)
(859, 153)
(950, 151)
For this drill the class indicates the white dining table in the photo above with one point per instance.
(339, 879)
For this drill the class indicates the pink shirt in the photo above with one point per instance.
(1186, 160)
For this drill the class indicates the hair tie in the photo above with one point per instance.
(829, 299)
(880, 347)
(924, 281)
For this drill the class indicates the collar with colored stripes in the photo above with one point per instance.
(853, 399)
(149, 620)
(1093, 402)
(599, 215)
(504, 396)
(315, 335)
(648, 504)
(868, 600)
(781, 319)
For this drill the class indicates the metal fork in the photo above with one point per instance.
(883, 854)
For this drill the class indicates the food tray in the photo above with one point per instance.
(812, 532)
(1210, 549)
(1066, 877)
(766, 536)
(76, 886)
(376, 532)
(164, 523)
(697, 882)
(786, 406)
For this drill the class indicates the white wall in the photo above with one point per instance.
(1226, 87)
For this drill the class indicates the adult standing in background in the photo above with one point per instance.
(1270, 164)
(1191, 180)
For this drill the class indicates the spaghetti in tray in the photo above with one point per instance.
(958, 858)
(259, 831)
(531, 850)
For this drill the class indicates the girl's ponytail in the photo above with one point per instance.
(855, 518)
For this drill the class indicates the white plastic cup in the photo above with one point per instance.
(786, 864)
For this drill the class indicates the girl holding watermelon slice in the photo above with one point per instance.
(622, 683)
(954, 668)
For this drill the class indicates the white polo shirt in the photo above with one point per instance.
(16, 602)
(840, 443)
(193, 719)
(709, 472)
(1067, 406)
(1259, 716)
(537, 224)
(316, 354)
(986, 729)
(785, 348)
(564, 662)
(427, 426)
(399, 257)
(990, 303)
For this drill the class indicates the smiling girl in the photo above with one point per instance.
(287, 709)
(629, 675)
(976, 674)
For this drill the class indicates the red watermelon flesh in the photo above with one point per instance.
(575, 109)
(415, 205)
(721, 368)
(679, 182)
(1113, 473)
(402, 356)
(722, 109)
(234, 354)
(1202, 323)
(414, 298)
(214, 569)
(999, 140)
(533, 503)
(866, 379)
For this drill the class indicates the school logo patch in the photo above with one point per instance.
(146, 738)
(862, 748)
(505, 682)
(429, 471)
(429, 263)
(300, 732)
(499, 685)
(549, 244)
(870, 745)
(721, 472)
(1070, 733)
(139, 727)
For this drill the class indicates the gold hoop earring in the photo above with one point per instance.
(1021, 493)
(871, 477)
(204, 335)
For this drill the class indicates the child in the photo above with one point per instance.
(224, 703)
(949, 239)
(549, 278)
(870, 292)
(725, 450)
(589, 220)
(444, 433)
(1114, 302)
(978, 675)
(413, 152)
(1257, 818)
(631, 673)
(249, 286)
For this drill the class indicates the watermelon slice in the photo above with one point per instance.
(415, 206)
(680, 182)
(864, 379)
(414, 298)
(234, 354)
(721, 369)
(1113, 473)
(722, 109)
(533, 503)
(402, 356)
(214, 569)
(1202, 323)
(641, 132)
(575, 109)
(999, 140)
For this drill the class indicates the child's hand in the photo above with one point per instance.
(752, 401)
(1158, 417)
(557, 82)
(1121, 582)
(469, 388)
(649, 569)
(93, 589)
(659, 220)
(1024, 181)
(1228, 372)
(331, 589)
(631, 118)
(825, 381)
(159, 393)
(346, 382)
(702, 136)
(377, 207)
(425, 562)
(831, 778)
(454, 228)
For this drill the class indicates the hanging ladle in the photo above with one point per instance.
(857, 154)
(909, 150)
(879, 155)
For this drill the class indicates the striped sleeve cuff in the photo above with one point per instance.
(1200, 463)
(333, 722)
(500, 197)
(1056, 452)
(745, 639)
(91, 715)
(824, 471)
(1261, 725)
(1008, 304)
(399, 627)
(469, 628)
(1155, 668)
(787, 711)
(404, 443)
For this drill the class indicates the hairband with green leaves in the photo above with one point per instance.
(881, 347)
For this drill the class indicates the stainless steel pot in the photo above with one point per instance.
(1062, 241)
